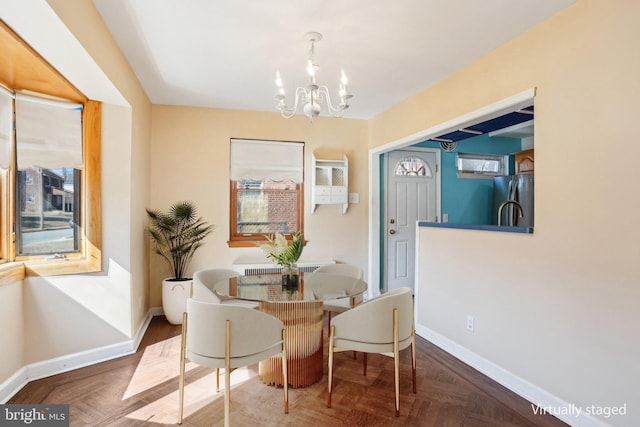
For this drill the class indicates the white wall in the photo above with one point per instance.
(71, 314)
(12, 337)
(126, 131)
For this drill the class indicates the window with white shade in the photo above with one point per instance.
(48, 137)
(267, 179)
(43, 187)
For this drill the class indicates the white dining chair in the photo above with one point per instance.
(340, 305)
(204, 282)
(382, 325)
(203, 290)
(226, 336)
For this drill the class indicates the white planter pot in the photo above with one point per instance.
(174, 299)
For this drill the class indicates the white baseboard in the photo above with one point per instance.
(538, 397)
(13, 384)
(156, 311)
(69, 362)
(142, 329)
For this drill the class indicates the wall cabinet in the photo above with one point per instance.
(525, 161)
(330, 183)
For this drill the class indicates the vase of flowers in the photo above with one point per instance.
(286, 255)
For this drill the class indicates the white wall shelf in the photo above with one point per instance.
(330, 183)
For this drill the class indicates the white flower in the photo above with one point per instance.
(279, 250)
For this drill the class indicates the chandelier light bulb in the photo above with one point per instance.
(313, 96)
(311, 69)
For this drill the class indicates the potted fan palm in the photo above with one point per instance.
(176, 235)
(286, 255)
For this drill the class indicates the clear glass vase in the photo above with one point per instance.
(290, 276)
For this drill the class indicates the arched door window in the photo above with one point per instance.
(412, 166)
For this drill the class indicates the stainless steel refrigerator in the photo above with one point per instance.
(513, 187)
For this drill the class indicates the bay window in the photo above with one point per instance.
(50, 137)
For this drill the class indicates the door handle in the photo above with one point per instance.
(392, 231)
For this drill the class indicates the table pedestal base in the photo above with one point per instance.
(303, 323)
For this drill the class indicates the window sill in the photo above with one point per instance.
(245, 243)
(11, 272)
(254, 243)
(61, 267)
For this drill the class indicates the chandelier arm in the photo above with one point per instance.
(299, 98)
(335, 111)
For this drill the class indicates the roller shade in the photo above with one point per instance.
(48, 133)
(274, 160)
(6, 113)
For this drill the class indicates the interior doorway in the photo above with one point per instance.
(377, 228)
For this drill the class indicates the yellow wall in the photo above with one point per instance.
(190, 161)
(557, 308)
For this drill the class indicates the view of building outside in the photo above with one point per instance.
(267, 207)
(48, 217)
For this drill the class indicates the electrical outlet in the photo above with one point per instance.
(469, 323)
(354, 198)
(445, 217)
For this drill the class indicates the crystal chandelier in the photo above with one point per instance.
(313, 96)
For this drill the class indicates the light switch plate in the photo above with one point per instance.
(354, 198)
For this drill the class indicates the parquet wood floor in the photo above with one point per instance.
(141, 390)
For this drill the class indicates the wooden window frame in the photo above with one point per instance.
(88, 258)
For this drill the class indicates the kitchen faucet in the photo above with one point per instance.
(505, 203)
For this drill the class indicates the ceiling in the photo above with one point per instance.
(225, 54)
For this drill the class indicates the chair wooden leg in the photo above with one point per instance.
(285, 378)
(183, 349)
(227, 373)
(217, 379)
(330, 374)
(328, 323)
(364, 364)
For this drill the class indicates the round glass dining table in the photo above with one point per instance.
(301, 311)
